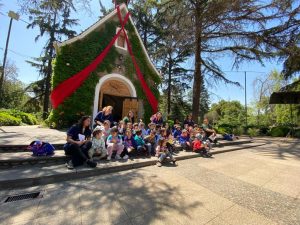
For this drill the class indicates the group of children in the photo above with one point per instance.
(128, 139)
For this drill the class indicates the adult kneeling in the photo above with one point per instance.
(79, 143)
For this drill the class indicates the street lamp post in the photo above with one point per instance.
(12, 16)
(246, 118)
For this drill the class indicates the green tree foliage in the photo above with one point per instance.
(13, 89)
(248, 30)
(52, 17)
(167, 49)
(266, 114)
(228, 113)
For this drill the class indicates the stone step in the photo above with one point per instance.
(16, 159)
(22, 148)
(28, 176)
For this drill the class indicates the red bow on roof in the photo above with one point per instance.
(69, 86)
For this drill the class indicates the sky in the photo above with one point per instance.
(22, 47)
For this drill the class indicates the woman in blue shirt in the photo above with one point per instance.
(79, 142)
(105, 114)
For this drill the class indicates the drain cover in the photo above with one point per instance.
(22, 197)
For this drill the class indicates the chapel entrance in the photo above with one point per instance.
(116, 93)
(121, 105)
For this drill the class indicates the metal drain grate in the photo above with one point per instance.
(22, 197)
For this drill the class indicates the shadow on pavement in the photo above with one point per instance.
(282, 150)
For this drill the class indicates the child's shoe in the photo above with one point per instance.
(91, 163)
(118, 157)
(158, 164)
(70, 165)
(126, 157)
(174, 162)
(108, 158)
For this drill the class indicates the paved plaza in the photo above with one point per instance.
(20, 135)
(252, 186)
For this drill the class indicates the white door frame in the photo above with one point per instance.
(108, 77)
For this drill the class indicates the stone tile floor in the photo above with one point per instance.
(226, 190)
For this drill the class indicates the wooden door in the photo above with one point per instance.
(130, 104)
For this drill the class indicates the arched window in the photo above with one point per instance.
(121, 41)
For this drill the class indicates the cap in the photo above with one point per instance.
(98, 128)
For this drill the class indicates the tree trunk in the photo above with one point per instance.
(198, 74)
(49, 71)
(169, 87)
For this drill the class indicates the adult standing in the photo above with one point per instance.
(189, 121)
(105, 114)
(79, 142)
(129, 118)
(157, 119)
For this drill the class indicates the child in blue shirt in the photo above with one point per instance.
(140, 143)
(184, 140)
(177, 131)
(114, 143)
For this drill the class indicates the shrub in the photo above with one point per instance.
(9, 120)
(171, 123)
(279, 131)
(238, 131)
(297, 133)
(253, 132)
(222, 130)
(26, 118)
(264, 130)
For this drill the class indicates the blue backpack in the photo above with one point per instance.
(39, 148)
(227, 137)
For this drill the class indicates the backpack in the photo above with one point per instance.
(40, 148)
(227, 137)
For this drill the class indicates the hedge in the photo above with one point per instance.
(25, 118)
(279, 131)
(9, 120)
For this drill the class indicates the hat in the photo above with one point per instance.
(98, 128)
(184, 131)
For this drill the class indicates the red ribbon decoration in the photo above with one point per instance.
(70, 85)
(150, 96)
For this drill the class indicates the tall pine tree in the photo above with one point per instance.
(52, 17)
(247, 30)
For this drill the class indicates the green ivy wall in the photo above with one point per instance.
(74, 57)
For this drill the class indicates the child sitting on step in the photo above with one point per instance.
(114, 143)
(162, 152)
(140, 144)
(201, 146)
(184, 140)
(98, 144)
(129, 144)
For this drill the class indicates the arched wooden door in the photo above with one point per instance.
(117, 94)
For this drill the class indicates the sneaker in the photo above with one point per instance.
(70, 165)
(108, 158)
(158, 164)
(174, 161)
(91, 163)
(126, 157)
(118, 157)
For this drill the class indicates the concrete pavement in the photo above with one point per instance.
(23, 135)
(253, 186)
